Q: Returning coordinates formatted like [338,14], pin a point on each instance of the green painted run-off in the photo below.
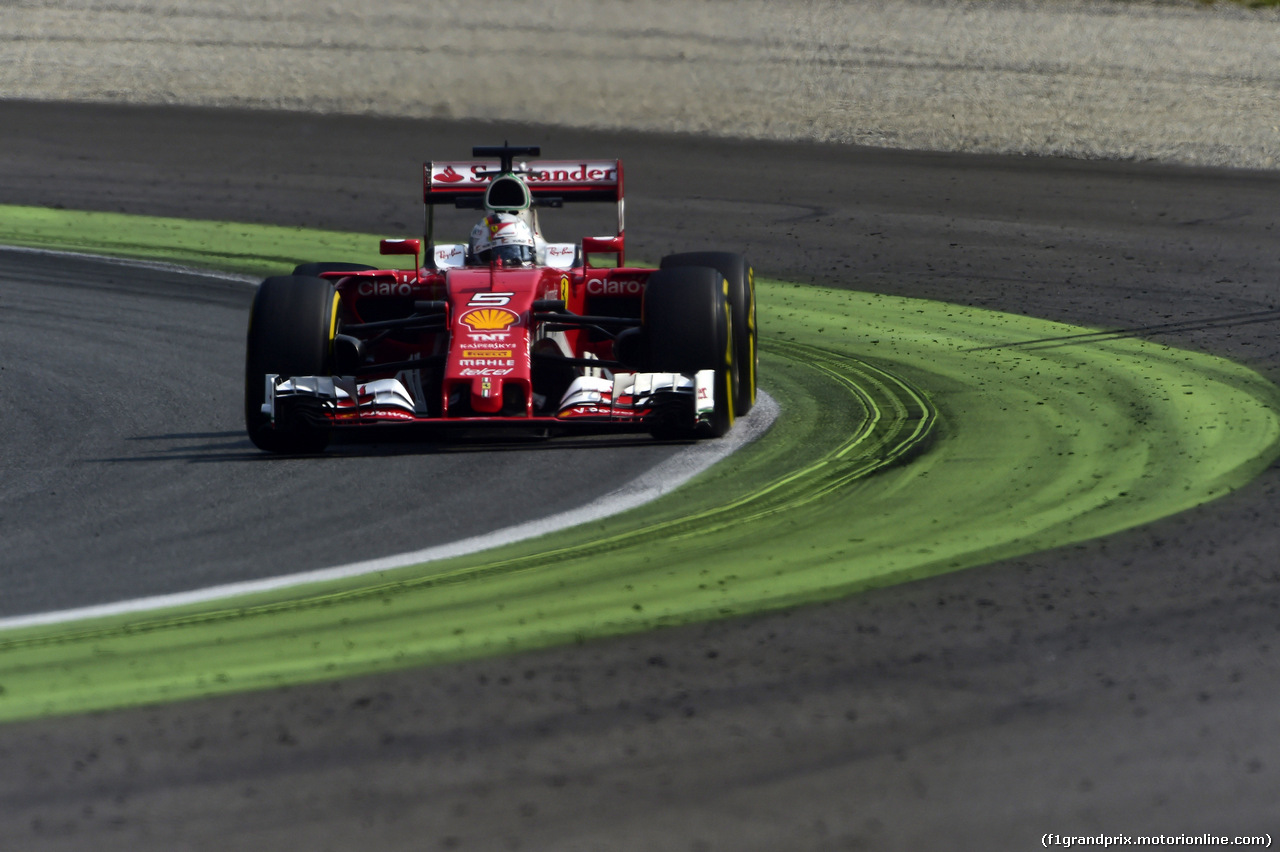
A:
[1013,447]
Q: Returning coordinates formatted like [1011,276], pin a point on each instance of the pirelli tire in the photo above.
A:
[291,329]
[688,327]
[742,300]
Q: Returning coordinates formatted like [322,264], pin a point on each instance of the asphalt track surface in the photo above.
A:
[131,376]
[1126,685]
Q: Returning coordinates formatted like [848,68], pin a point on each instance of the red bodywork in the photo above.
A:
[445,343]
[488,338]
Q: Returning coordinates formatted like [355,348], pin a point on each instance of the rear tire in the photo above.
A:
[315,270]
[688,327]
[291,329]
[742,299]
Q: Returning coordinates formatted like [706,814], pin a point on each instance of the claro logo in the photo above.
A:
[605,287]
[384,288]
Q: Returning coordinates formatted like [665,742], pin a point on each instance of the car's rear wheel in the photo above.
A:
[742,300]
[291,330]
[688,327]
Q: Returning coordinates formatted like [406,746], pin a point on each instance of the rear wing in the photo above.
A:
[551,183]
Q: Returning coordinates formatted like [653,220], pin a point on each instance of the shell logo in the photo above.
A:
[489,319]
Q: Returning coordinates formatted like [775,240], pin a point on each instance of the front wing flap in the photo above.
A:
[639,400]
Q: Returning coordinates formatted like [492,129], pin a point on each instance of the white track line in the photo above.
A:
[157,265]
[649,486]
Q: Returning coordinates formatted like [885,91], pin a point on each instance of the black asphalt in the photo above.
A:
[131,475]
[1123,686]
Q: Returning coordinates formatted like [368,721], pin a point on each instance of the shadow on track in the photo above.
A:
[221,447]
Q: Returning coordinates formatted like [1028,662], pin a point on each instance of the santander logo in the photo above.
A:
[449,176]
[564,172]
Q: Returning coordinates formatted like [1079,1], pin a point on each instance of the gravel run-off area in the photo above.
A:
[1175,82]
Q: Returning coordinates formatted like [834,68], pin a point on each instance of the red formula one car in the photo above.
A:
[506,330]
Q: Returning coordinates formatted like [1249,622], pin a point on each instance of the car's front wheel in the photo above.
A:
[291,329]
[688,327]
[742,302]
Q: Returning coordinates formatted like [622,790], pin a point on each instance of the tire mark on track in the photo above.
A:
[899,420]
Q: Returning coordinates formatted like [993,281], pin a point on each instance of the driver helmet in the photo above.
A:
[503,238]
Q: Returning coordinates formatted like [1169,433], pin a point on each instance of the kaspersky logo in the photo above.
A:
[489,319]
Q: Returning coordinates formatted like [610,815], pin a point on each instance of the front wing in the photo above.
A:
[628,402]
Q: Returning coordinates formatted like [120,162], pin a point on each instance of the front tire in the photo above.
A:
[688,327]
[291,329]
[742,299]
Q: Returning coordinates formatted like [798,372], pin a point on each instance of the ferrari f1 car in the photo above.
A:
[506,330]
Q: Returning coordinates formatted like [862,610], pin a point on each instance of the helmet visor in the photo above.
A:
[508,255]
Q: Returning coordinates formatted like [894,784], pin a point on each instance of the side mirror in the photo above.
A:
[603,245]
[403,247]
[400,247]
